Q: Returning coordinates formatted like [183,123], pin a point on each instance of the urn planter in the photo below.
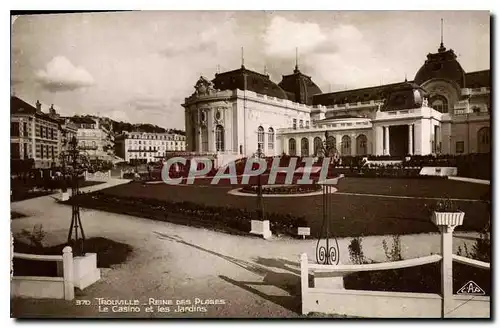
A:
[448,218]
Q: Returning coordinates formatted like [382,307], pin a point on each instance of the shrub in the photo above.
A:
[446,205]
[395,253]
[481,250]
[356,251]
[36,236]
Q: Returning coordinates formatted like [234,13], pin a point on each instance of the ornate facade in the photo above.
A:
[442,111]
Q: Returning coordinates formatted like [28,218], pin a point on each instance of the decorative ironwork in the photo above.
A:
[78,162]
[327,250]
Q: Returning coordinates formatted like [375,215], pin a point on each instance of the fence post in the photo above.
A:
[446,223]
[304,282]
[69,288]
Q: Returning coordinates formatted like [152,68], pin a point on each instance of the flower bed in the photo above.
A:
[282,189]
[228,219]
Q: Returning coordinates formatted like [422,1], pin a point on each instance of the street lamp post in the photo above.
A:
[325,252]
[260,201]
[78,161]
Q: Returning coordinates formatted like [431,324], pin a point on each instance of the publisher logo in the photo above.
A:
[471,288]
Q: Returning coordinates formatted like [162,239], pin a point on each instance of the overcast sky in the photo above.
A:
[139,66]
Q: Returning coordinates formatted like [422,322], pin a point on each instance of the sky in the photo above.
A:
[139,66]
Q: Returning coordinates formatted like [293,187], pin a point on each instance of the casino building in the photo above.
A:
[443,110]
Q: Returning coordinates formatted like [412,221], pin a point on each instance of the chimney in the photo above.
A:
[38,107]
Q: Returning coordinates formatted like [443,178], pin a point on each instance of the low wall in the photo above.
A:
[439,171]
[466,306]
[37,287]
[372,304]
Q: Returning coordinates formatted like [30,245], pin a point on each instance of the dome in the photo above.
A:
[404,96]
[299,87]
[441,65]
[245,79]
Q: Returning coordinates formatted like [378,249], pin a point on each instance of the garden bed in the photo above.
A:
[16,215]
[109,253]
[282,189]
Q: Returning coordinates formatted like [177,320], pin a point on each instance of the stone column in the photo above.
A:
[285,146]
[386,138]
[446,223]
[354,144]
[410,139]
[311,146]
[298,145]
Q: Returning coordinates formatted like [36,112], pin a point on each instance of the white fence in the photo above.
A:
[46,287]
[327,295]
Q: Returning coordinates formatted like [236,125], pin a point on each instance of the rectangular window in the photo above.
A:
[14,129]
[26,155]
[459,147]
[25,129]
[14,150]
[301,124]
[41,151]
[294,123]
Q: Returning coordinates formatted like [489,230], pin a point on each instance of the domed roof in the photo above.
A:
[299,87]
[404,96]
[442,64]
[245,79]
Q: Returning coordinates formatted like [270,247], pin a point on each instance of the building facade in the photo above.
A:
[34,134]
[444,110]
[94,139]
[147,147]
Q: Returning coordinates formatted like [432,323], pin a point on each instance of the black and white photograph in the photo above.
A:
[313,164]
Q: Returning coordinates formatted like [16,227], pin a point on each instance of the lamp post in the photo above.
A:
[325,252]
[78,162]
[260,201]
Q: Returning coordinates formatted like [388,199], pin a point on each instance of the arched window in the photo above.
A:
[292,147]
[317,145]
[483,140]
[331,145]
[361,142]
[260,138]
[204,139]
[304,147]
[346,145]
[270,139]
[439,103]
[94,144]
[219,138]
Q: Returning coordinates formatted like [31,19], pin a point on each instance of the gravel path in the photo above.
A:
[254,277]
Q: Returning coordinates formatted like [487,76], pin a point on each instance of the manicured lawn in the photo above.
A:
[352,215]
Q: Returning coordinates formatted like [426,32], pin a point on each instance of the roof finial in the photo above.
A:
[296,59]
[218,68]
[406,78]
[265,70]
[441,46]
[242,58]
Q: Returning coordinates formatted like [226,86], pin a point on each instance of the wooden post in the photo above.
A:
[304,281]
[69,288]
